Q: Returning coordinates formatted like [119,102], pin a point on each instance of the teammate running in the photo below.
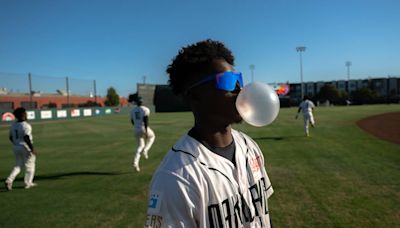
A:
[143,133]
[307,107]
[25,156]
[214,176]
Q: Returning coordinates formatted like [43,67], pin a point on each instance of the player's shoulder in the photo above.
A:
[26,126]
[186,148]
[242,137]
[146,110]
[13,126]
[185,151]
[245,141]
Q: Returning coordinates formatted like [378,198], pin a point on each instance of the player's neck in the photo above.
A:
[218,137]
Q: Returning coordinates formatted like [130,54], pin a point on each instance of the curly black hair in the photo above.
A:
[18,112]
[194,59]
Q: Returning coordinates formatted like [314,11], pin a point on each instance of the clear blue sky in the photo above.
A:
[117,42]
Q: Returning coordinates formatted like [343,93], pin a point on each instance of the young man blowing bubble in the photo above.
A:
[214,176]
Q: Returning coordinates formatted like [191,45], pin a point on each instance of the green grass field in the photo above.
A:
[338,177]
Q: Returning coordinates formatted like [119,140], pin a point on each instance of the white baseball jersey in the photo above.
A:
[137,115]
[306,106]
[194,187]
[18,130]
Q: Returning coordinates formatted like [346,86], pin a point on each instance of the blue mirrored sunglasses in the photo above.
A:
[224,81]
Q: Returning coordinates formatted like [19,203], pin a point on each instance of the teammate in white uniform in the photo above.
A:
[214,176]
[307,106]
[25,156]
[144,135]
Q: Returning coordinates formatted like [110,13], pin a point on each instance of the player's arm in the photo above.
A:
[29,143]
[10,135]
[132,121]
[298,111]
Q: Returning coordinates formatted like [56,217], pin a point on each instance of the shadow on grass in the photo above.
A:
[278,138]
[60,175]
[86,173]
[71,174]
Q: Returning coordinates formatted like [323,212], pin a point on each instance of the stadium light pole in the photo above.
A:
[300,50]
[252,67]
[30,91]
[348,64]
[95,91]
[67,85]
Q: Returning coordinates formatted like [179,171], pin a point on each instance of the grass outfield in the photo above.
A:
[339,177]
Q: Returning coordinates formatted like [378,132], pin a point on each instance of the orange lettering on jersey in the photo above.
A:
[255,164]
[154,221]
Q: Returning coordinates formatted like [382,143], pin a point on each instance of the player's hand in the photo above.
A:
[34,152]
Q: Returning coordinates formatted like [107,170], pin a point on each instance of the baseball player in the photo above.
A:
[307,106]
[144,135]
[214,176]
[25,156]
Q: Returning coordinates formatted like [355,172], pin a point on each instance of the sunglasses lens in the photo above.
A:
[227,80]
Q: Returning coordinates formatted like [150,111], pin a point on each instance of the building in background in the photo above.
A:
[160,98]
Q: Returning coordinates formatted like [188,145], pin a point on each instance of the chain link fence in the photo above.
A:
[11,83]
[31,86]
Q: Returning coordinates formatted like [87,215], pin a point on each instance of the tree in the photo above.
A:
[328,92]
[363,95]
[112,97]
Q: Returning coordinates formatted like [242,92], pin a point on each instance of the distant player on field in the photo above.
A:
[143,133]
[25,156]
[214,176]
[307,106]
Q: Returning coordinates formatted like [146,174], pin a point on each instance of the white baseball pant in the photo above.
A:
[144,143]
[23,159]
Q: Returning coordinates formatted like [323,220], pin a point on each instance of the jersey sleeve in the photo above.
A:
[28,131]
[172,202]
[301,105]
[146,111]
